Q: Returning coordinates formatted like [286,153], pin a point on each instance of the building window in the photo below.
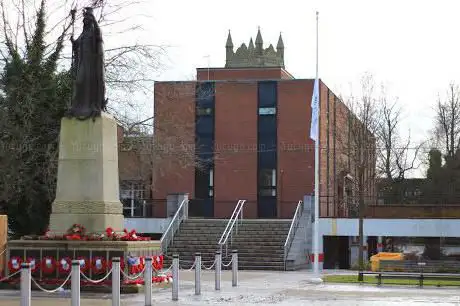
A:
[203,111]
[267,111]
[132,195]
[211,183]
[267,182]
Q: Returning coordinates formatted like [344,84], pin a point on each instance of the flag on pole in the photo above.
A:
[314,112]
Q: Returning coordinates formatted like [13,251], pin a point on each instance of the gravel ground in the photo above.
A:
[263,288]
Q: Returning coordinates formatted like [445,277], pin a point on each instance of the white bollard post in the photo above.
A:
[116,281]
[217,269]
[197,273]
[148,281]
[234,268]
[26,287]
[75,283]
[175,275]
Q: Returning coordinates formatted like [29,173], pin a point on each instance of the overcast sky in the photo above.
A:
[411,46]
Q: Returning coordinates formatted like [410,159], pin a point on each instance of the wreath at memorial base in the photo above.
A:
[34,265]
[14,264]
[98,266]
[48,265]
[78,232]
[64,265]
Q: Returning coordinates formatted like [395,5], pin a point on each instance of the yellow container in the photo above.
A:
[375,259]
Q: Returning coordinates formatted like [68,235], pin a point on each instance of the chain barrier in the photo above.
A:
[9,276]
[2,252]
[96,281]
[226,265]
[53,290]
[133,277]
[167,270]
[206,268]
[191,268]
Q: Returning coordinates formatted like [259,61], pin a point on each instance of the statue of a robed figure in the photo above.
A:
[88,99]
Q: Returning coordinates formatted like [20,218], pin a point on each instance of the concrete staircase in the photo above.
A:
[196,235]
[260,243]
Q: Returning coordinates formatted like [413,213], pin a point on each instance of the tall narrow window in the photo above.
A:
[267,98]
[211,183]
[267,180]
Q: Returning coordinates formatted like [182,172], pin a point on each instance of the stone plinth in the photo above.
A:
[87,184]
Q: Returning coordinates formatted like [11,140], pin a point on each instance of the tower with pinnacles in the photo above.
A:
[254,55]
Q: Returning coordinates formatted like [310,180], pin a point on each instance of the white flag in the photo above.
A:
[314,112]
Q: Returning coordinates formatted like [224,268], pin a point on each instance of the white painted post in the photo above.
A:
[234,268]
[148,281]
[26,287]
[175,275]
[116,281]
[217,269]
[75,283]
[197,273]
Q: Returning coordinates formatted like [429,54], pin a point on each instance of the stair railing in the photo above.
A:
[294,225]
[168,236]
[232,226]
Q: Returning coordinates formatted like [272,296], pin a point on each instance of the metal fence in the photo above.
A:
[76,276]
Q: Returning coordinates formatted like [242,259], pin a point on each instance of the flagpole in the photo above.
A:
[316,235]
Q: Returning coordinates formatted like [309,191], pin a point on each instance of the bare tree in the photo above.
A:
[358,145]
[131,65]
[396,156]
[447,121]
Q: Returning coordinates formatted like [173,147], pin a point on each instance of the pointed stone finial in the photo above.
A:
[251,44]
[259,40]
[254,55]
[280,44]
[229,43]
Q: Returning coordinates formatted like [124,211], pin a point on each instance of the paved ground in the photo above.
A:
[263,288]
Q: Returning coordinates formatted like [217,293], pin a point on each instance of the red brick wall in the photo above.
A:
[333,148]
[242,74]
[235,171]
[343,159]
[175,129]
[327,176]
[295,148]
[392,211]
[119,133]
[332,204]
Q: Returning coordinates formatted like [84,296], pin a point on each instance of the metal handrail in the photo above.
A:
[237,214]
[229,221]
[180,215]
[294,224]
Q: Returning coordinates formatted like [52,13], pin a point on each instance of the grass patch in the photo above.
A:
[368,279]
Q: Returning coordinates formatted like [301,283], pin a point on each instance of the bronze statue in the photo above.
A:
[88,99]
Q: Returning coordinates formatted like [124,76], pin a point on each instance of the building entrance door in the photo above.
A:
[266,207]
[203,204]
[201,208]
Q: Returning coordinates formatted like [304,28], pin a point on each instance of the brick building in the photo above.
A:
[248,124]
